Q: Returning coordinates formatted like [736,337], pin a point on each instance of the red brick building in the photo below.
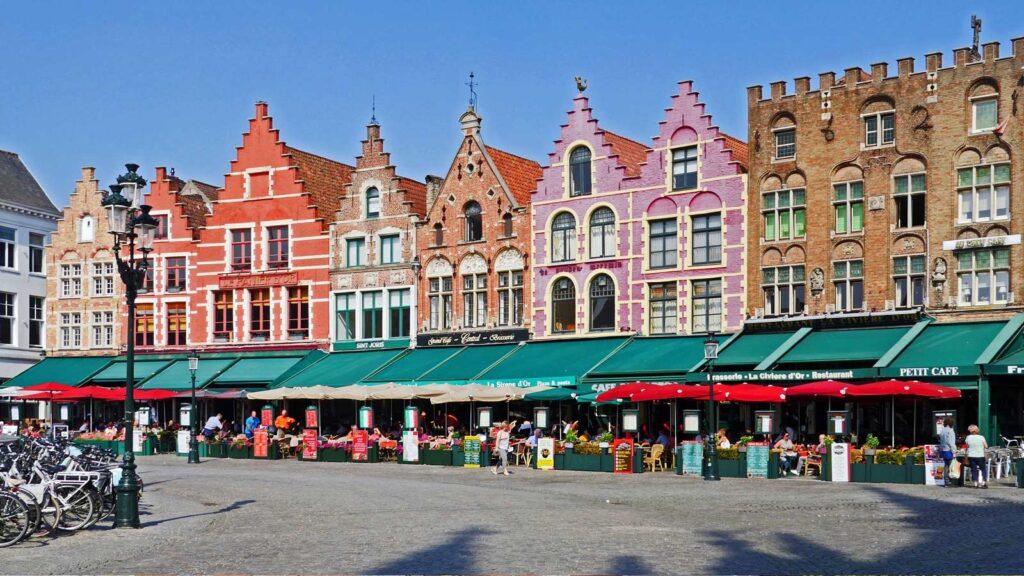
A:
[263,257]
[474,244]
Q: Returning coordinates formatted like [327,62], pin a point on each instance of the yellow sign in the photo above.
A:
[546,454]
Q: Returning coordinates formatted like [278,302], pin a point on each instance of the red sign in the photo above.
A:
[260,443]
[622,455]
[228,282]
[267,416]
[309,444]
[311,418]
[360,441]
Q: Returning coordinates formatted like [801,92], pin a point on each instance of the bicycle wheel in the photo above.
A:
[108,501]
[76,507]
[14,521]
[49,515]
[35,515]
[97,506]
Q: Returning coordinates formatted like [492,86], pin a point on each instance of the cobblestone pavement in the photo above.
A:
[233,516]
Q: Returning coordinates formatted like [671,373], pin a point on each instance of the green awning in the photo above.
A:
[552,395]
[750,349]
[413,364]
[118,371]
[665,356]
[948,345]
[68,370]
[587,398]
[178,377]
[468,363]
[341,368]
[555,358]
[843,345]
[256,371]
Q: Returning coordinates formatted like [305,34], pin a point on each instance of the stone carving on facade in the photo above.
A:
[939,274]
[878,163]
[473,264]
[439,267]
[397,276]
[345,281]
[509,260]
[370,279]
[876,203]
[817,281]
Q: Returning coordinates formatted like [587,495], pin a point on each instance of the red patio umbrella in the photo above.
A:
[626,391]
[830,388]
[747,392]
[87,393]
[680,392]
[49,389]
[906,388]
[152,394]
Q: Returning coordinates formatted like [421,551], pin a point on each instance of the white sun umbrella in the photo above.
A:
[14,392]
[272,394]
[481,393]
[393,391]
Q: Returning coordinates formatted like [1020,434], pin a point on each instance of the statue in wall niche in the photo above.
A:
[939,274]
[817,280]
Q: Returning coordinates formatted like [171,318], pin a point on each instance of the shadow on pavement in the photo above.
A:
[945,537]
[459,554]
[230,507]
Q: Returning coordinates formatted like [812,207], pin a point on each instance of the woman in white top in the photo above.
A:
[976,447]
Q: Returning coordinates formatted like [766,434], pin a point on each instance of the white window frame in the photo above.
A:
[973,274]
[12,318]
[849,201]
[975,101]
[441,302]
[776,132]
[9,249]
[909,196]
[510,297]
[778,288]
[396,252]
[71,283]
[992,188]
[879,131]
[70,330]
[843,284]
[791,210]
[474,300]
[103,329]
[908,277]
[360,255]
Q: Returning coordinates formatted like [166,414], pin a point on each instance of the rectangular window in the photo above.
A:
[664,244]
[707,305]
[36,307]
[277,247]
[707,239]
[177,324]
[783,290]
[510,298]
[986,114]
[345,311]
[241,250]
[35,253]
[474,301]
[103,329]
[784,214]
[223,316]
[259,315]
[785,144]
[848,277]
[983,276]
[908,274]
[664,307]
[390,250]
[399,313]
[7,247]
[879,129]
[177,274]
[70,280]
[984,192]
[849,207]
[162,230]
[355,252]
[7,320]
[373,315]
[145,326]
[909,194]
[298,312]
[440,293]
[71,330]
[684,168]
[102,278]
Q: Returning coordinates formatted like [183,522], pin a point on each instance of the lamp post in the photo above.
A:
[711,464]
[132,226]
[193,443]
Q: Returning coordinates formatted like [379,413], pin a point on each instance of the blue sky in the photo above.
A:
[173,83]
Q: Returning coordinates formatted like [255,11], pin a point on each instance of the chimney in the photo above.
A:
[960,57]
[433,188]
[802,85]
[905,67]
[879,71]
[990,51]
[826,80]
[754,94]
[933,61]
[778,89]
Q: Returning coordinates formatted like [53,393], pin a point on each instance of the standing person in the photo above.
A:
[212,425]
[976,446]
[947,448]
[251,424]
[501,441]
[284,423]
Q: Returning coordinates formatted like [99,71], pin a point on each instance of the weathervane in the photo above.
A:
[976,25]
[581,84]
[373,108]
[472,90]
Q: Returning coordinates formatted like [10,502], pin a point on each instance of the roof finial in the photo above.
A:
[472,90]
[976,25]
[581,84]
[373,108]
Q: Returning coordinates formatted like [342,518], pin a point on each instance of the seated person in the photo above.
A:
[723,440]
[664,440]
[789,456]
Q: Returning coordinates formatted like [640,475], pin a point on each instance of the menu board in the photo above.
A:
[934,466]
[182,441]
[260,443]
[471,447]
[546,454]
[267,416]
[840,462]
[360,448]
[693,457]
[410,446]
[309,442]
[312,418]
[757,460]
[622,449]
[138,437]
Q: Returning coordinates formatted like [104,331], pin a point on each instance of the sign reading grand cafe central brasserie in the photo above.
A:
[470,338]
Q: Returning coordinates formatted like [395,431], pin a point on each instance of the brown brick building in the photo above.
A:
[878,191]
[474,244]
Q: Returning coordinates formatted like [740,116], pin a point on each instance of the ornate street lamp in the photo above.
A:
[132,226]
[193,443]
[711,463]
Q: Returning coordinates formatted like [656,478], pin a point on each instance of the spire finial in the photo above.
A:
[581,84]
[373,108]
[472,90]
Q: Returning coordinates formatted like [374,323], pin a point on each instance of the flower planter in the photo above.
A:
[437,457]
[458,456]
[584,462]
[239,452]
[730,469]
[217,450]
[334,455]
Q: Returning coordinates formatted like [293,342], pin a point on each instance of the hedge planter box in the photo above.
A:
[584,462]
[869,471]
[240,452]
[334,455]
[731,468]
[458,456]
[437,457]
[218,450]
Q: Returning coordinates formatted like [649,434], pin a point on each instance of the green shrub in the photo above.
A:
[728,454]
[588,448]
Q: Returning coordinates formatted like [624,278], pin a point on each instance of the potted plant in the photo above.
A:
[240,448]
[871,445]
[741,444]
[571,438]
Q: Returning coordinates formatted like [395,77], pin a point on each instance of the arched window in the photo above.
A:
[438,234]
[602,303]
[579,171]
[506,225]
[474,222]
[563,238]
[563,306]
[372,203]
[602,233]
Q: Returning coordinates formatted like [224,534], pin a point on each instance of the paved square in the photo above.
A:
[235,516]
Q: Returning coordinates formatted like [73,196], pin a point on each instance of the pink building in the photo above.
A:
[631,238]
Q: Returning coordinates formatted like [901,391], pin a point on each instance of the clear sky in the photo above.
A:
[173,83]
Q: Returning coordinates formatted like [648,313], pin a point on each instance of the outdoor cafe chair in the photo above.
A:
[654,460]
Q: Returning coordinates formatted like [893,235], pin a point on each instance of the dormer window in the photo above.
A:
[579,171]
